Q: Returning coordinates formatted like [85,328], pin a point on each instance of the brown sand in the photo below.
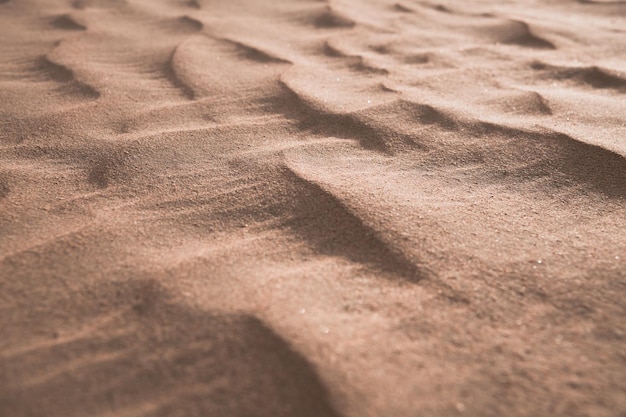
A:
[312,208]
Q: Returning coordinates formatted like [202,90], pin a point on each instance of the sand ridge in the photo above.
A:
[299,207]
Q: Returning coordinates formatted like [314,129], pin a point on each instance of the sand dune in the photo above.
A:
[324,208]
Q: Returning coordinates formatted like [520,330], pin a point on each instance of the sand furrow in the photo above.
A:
[68,21]
[589,77]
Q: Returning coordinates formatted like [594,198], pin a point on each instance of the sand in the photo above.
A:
[312,208]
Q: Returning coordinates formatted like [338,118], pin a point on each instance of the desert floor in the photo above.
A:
[344,208]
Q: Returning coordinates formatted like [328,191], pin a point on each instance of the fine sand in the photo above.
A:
[341,208]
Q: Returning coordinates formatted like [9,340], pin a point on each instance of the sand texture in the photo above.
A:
[340,208]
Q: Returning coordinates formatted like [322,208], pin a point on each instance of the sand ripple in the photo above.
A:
[321,208]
